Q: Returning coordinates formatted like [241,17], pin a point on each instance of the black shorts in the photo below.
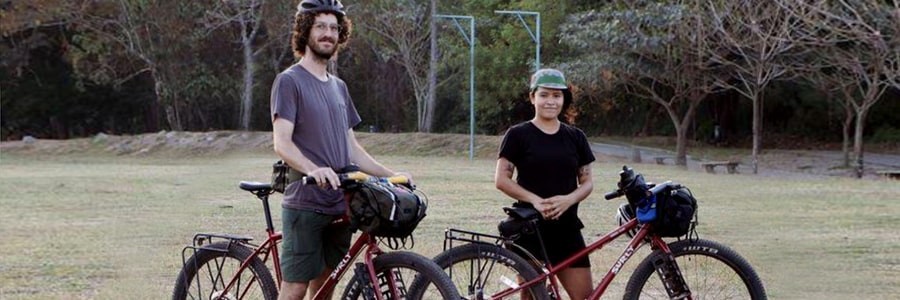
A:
[560,240]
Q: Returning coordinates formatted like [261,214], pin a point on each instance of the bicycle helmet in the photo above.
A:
[624,214]
[319,6]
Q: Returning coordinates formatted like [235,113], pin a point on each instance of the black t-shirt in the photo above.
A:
[547,164]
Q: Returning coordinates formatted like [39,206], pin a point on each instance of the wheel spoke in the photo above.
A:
[208,272]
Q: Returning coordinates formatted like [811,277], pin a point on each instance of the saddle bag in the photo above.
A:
[519,220]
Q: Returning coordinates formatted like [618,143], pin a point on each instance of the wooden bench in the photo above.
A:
[711,166]
[661,160]
[892,174]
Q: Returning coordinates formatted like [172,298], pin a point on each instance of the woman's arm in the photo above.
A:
[504,182]
[557,205]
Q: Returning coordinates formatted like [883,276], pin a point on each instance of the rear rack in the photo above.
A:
[452,234]
[204,241]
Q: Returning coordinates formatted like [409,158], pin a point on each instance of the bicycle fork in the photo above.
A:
[671,276]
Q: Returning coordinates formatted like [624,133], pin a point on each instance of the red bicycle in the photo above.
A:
[691,268]
[227,266]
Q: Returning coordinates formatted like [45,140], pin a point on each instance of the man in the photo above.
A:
[313,119]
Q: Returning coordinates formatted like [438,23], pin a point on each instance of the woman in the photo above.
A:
[553,161]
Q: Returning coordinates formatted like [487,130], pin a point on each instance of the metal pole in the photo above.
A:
[472,89]
[470,38]
[535,35]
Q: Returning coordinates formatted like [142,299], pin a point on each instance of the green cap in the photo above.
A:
[548,78]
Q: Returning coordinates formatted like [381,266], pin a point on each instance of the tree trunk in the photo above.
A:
[858,141]
[845,145]
[170,106]
[247,92]
[432,71]
[757,130]
[682,129]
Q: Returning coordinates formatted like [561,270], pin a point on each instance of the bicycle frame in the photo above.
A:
[550,271]
[365,243]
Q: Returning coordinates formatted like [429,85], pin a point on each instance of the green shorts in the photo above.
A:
[310,244]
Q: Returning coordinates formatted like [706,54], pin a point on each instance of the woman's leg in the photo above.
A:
[576,281]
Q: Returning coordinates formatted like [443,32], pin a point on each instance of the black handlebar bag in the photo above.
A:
[386,210]
[676,213]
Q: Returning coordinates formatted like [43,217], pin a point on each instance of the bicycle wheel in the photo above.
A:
[711,271]
[404,268]
[481,270]
[206,273]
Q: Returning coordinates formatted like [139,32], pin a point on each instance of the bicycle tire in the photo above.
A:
[711,270]
[480,270]
[416,277]
[208,271]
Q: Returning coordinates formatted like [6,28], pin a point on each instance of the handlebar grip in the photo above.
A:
[398,179]
[312,180]
[613,195]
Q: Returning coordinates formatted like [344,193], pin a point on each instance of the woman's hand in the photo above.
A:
[552,208]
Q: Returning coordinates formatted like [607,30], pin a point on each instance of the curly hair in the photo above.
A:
[303,25]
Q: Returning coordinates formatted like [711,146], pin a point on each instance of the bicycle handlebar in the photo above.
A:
[628,178]
[358,176]
[614,194]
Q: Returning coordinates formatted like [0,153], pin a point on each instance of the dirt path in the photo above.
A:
[772,162]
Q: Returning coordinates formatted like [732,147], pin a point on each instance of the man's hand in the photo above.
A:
[408,177]
[325,177]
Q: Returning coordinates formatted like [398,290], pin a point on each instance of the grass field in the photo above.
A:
[98,226]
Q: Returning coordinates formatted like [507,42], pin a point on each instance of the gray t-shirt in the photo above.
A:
[322,113]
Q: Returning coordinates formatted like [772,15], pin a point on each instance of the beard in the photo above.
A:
[321,52]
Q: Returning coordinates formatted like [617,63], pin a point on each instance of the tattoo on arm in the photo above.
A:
[584,171]
[510,168]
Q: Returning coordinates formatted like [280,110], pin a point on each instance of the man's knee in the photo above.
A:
[292,290]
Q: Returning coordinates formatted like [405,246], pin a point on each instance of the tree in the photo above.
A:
[248,15]
[859,40]
[655,51]
[400,30]
[278,24]
[836,85]
[126,38]
[753,42]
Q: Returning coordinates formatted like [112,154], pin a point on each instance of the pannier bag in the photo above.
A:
[283,175]
[671,214]
[386,210]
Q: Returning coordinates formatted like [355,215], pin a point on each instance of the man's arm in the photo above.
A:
[282,130]
[366,163]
